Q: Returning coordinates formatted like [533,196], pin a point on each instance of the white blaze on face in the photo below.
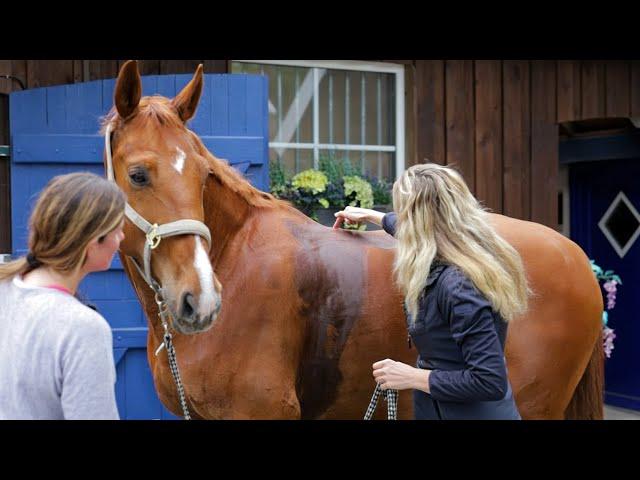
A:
[178,163]
[205,273]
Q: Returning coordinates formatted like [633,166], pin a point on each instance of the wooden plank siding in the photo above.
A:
[593,90]
[430,97]
[516,160]
[569,82]
[460,119]
[46,73]
[617,97]
[488,133]
[544,144]
[512,122]
[635,88]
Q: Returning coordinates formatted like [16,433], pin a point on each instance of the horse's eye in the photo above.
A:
[139,177]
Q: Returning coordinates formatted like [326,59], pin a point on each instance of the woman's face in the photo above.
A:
[101,250]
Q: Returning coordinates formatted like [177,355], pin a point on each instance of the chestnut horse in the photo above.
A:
[306,310]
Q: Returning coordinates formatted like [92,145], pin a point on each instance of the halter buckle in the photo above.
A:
[153,239]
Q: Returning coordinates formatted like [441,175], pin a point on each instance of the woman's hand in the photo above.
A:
[357,215]
[390,374]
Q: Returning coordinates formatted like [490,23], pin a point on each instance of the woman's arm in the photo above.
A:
[484,377]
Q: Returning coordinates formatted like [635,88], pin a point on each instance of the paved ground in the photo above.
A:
[615,413]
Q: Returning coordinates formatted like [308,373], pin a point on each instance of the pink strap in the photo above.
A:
[60,288]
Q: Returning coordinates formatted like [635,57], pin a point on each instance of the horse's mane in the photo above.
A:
[159,110]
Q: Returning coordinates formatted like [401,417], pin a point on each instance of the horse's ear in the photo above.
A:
[187,100]
[128,89]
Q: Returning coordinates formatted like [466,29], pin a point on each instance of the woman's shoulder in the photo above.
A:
[452,276]
[460,290]
[69,314]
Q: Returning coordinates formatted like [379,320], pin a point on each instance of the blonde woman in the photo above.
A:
[56,359]
[462,283]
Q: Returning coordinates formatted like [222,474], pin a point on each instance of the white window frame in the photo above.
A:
[375,67]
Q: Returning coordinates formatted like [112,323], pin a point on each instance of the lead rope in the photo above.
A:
[171,353]
[391,396]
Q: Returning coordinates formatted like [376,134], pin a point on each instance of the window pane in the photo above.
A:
[332,108]
[293,160]
[290,100]
[369,164]
[344,118]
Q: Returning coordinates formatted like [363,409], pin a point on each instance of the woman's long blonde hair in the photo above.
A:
[439,218]
[72,210]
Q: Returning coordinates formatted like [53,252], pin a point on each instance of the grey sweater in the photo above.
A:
[56,358]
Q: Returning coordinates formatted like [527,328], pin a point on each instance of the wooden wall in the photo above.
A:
[45,73]
[498,122]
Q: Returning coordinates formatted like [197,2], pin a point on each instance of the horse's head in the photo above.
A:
[156,163]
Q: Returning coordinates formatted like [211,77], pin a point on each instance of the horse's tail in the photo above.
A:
[587,402]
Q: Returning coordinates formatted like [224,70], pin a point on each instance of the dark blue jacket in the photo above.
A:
[461,339]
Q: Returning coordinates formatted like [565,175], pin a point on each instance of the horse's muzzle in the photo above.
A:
[189,320]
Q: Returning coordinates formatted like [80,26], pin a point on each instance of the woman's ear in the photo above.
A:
[91,246]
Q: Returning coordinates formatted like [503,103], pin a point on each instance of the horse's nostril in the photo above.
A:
[188,306]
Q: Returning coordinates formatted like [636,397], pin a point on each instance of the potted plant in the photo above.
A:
[323,192]
[382,200]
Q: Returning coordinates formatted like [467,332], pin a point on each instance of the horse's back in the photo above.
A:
[553,262]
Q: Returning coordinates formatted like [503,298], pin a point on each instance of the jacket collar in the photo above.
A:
[437,268]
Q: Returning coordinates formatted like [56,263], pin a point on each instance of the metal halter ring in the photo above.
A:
[153,239]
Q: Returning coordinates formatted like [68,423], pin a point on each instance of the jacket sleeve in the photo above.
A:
[389,223]
[470,317]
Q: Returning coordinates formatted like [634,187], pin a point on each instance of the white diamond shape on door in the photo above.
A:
[621,224]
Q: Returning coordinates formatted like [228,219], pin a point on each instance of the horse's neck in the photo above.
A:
[225,212]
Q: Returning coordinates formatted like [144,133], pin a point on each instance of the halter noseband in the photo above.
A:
[154,233]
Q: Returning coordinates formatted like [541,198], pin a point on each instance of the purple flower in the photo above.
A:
[611,289]
[608,338]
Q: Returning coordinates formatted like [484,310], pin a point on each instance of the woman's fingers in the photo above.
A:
[382,363]
[343,216]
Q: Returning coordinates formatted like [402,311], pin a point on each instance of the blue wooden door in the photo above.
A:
[605,201]
[54,131]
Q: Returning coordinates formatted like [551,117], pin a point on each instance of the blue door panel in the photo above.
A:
[55,130]
[594,186]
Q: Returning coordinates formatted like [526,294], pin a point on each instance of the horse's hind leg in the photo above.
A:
[546,359]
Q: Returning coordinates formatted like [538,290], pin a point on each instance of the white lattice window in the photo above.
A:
[340,109]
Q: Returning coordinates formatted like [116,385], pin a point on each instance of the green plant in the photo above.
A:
[357,191]
[335,184]
[306,191]
[277,179]
[381,191]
